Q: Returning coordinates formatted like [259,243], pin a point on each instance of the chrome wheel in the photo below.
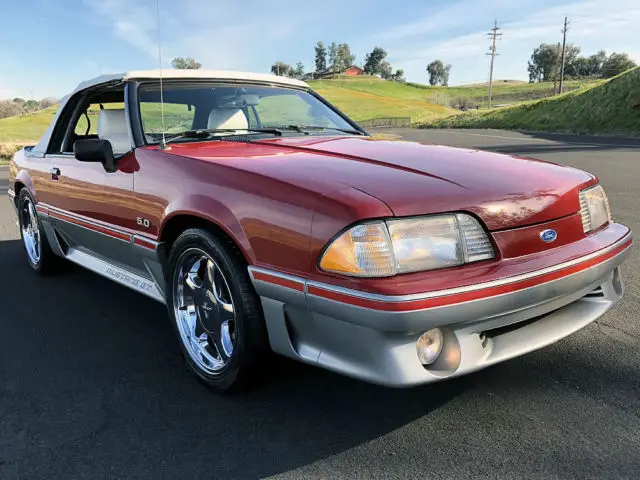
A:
[204,310]
[30,230]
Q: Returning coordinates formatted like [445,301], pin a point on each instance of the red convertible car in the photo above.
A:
[266,220]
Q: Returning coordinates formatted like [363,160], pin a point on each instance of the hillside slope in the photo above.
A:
[367,97]
[26,128]
[607,107]
[349,93]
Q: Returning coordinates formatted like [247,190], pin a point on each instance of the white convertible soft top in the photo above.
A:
[167,74]
[187,74]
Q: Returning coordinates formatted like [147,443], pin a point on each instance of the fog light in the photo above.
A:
[429,346]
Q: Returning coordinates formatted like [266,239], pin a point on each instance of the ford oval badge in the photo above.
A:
[548,235]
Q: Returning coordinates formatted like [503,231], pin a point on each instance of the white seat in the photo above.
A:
[227,118]
[112,126]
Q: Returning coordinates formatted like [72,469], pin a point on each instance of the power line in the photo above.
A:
[493,34]
[564,47]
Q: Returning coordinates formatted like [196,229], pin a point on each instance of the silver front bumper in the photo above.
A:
[380,346]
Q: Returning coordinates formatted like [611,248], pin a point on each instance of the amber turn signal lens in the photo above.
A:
[364,250]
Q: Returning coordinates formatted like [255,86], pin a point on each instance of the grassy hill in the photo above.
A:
[25,128]
[363,98]
[606,107]
[370,97]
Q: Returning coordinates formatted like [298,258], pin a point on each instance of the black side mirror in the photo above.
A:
[95,150]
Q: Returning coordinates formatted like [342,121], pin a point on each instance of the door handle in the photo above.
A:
[55,172]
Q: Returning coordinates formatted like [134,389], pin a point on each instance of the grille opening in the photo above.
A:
[595,293]
[496,332]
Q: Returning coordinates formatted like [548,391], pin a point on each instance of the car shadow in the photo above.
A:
[605,141]
[91,378]
[542,148]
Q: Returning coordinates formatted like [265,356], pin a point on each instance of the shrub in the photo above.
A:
[7,150]
[440,98]
[462,103]
[9,108]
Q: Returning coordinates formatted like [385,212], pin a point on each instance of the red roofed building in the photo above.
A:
[354,71]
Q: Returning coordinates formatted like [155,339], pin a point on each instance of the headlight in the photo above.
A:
[594,208]
[382,249]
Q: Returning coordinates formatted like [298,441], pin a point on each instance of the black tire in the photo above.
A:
[251,347]
[48,263]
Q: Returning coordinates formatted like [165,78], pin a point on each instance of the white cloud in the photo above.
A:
[594,25]
[217,35]
[454,15]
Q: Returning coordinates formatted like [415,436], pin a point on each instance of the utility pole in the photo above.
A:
[564,46]
[493,34]
[556,70]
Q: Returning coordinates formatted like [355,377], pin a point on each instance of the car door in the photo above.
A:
[92,210]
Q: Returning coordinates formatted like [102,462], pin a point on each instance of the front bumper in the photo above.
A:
[373,337]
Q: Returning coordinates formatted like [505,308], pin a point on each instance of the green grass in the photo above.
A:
[605,107]
[25,128]
[369,97]
[363,98]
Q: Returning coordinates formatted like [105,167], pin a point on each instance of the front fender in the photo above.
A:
[211,210]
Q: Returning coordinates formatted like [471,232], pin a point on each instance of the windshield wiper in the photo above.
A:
[305,128]
[210,132]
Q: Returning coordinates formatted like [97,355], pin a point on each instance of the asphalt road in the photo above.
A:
[92,384]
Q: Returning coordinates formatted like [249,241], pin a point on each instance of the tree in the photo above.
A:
[596,62]
[282,69]
[321,57]
[345,57]
[186,63]
[9,108]
[333,55]
[385,70]
[31,106]
[542,65]
[47,102]
[616,64]
[18,100]
[298,71]
[340,57]
[373,60]
[399,76]
[438,73]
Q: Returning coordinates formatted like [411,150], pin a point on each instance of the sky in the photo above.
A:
[47,47]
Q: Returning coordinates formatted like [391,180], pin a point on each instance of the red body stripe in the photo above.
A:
[465,296]
[144,243]
[90,226]
[41,209]
[283,282]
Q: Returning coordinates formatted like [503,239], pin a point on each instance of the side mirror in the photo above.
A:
[95,150]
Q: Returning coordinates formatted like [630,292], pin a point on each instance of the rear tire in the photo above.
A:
[39,255]
[215,311]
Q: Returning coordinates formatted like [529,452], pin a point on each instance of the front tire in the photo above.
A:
[215,311]
[39,255]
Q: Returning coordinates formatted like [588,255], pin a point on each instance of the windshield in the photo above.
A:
[232,110]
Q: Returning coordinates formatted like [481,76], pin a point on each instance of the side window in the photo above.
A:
[289,109]
[87,125]
[178,117]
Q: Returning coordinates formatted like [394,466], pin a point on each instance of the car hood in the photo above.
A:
[416,179]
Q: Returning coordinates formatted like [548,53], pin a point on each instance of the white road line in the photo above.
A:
[541,140]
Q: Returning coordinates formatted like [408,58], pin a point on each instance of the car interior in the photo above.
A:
[100,115]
